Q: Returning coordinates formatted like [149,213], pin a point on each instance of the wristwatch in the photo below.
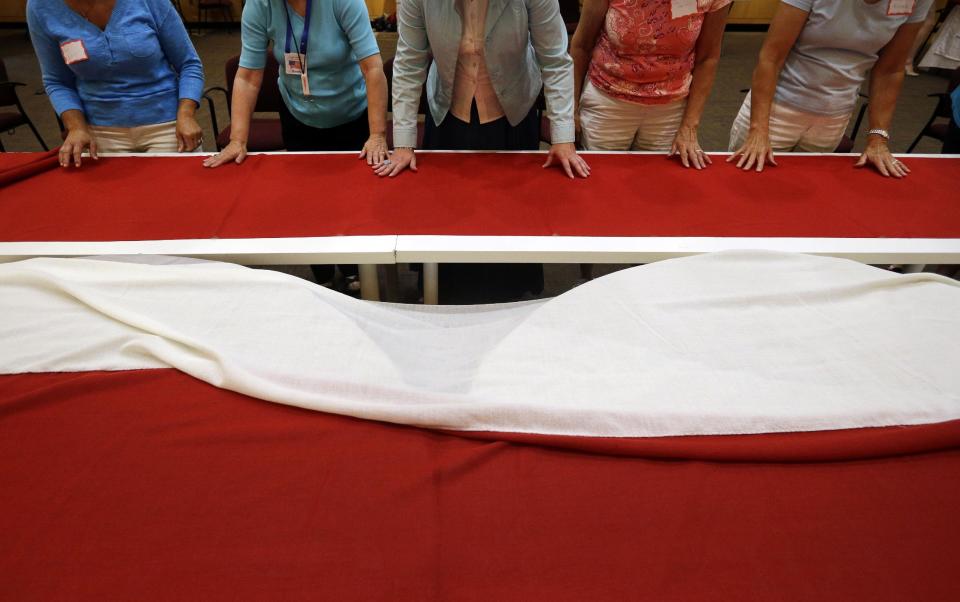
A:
[879,132]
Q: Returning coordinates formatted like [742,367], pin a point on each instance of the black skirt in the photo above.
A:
[468,283]
[300,137]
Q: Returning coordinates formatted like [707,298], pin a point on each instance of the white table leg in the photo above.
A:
[369,282]
[914,268]
[431,283]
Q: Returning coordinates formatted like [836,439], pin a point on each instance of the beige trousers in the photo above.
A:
[792,129]
[157,138]
[611,124]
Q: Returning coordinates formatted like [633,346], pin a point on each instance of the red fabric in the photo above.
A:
[24,165]
[506,194]
[820,446]
[152,485]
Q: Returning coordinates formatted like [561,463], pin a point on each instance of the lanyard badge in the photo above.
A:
[295,63]
[897,8]
[74,51]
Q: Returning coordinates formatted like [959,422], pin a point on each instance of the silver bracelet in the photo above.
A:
[882,133]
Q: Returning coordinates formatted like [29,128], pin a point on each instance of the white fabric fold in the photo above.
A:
[728,343]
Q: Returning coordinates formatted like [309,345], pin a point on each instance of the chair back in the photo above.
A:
[8,97]
[954,81]
[945,105]
[269,100]
[570,11]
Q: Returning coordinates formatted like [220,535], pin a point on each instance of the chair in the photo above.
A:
[570,13]
[421,110]
[8,98]
[265,132]
[224,7]
[944,109]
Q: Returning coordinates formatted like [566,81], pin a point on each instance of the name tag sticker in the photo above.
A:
[292,64]
[74,52]
[683,8]
[897,8]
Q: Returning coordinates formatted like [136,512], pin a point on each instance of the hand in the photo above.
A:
[401,159]
[189,134]
[755,150]
[236,151]
[375,150]
[77,141]
[565,155]
[686,145]
[878,154]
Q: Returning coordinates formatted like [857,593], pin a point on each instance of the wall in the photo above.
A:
[743,12]
[13,11]
[754,12]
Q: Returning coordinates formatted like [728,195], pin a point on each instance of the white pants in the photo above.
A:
[157,138]
[792,129]
[610,124]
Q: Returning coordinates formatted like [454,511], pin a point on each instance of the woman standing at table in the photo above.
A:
[815,58]
[331,78]
[649,66]
[122,75]
[331,81]
[489,61]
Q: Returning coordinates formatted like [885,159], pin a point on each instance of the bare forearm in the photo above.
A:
[704,74]
[581,62]
[377,102]
[884,91]
[245,94]
[73,120]
[186,108]
[761,94]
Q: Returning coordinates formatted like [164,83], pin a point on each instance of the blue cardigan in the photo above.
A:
[138,68]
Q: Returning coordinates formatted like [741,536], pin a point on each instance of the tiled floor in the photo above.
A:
[215,47]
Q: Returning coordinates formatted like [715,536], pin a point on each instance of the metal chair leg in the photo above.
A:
[369,282]
[37,134]
[923,133]
[431,283]
[915,142]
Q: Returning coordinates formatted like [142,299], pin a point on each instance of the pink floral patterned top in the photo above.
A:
[643,54]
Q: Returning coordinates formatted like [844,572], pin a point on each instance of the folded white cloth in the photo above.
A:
[735,342]
[944,52]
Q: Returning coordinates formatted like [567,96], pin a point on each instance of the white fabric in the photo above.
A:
[944,53]
[611,124]
[792,129]
[735,342]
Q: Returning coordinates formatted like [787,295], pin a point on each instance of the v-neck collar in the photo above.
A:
[113,13]
[287,7]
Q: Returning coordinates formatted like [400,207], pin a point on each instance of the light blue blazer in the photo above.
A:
[526,48]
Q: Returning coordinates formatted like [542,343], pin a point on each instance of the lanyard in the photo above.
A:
[306,28]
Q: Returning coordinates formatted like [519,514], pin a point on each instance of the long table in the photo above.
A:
[478,207]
